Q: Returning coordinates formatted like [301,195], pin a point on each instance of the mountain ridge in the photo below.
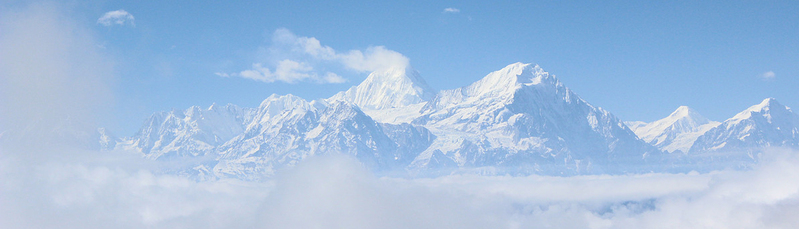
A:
[766,124]
[676,132]
[516,120]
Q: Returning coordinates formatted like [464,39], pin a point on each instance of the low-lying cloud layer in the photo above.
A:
[297,59]
[337,192]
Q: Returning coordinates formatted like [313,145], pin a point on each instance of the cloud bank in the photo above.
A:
[117,17]
[298,59]
[337,192]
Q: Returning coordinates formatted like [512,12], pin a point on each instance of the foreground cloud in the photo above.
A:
[50,70]
[295,58]
[338,192]
[117,17]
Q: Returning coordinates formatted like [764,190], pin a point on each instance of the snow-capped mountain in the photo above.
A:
[308,129]
[522,117]
[766,124]
[677,132]
[517,120]
[193,132]
[251,143]
[388,88]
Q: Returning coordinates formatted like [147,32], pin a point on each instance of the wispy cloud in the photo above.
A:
[295,59]
[333,78]
[451,10]
[287,71]
[117,17]
[769,75]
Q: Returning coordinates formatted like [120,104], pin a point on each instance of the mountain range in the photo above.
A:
[767,124]
[518,120]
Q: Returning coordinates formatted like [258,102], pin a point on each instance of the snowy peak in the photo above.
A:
[523,117]
[275,104]
[768,123]
[678,131]
[508,79]
[765,104]
[764,108]
[388,88]
[191,132]
[768,113]
[683,111]
[515,83]
[684,119]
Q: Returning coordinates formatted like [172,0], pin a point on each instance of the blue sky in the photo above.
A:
[639,59]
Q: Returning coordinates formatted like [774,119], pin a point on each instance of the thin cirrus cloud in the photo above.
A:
[117,17]
[451,10]
[297,59]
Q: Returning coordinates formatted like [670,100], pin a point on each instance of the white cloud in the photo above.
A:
[116,17]
[287,71]
[333,78]
[307,45]
[451,10]
[371,59]
[297,57]
[338,192]
[292,71]
[769,75]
